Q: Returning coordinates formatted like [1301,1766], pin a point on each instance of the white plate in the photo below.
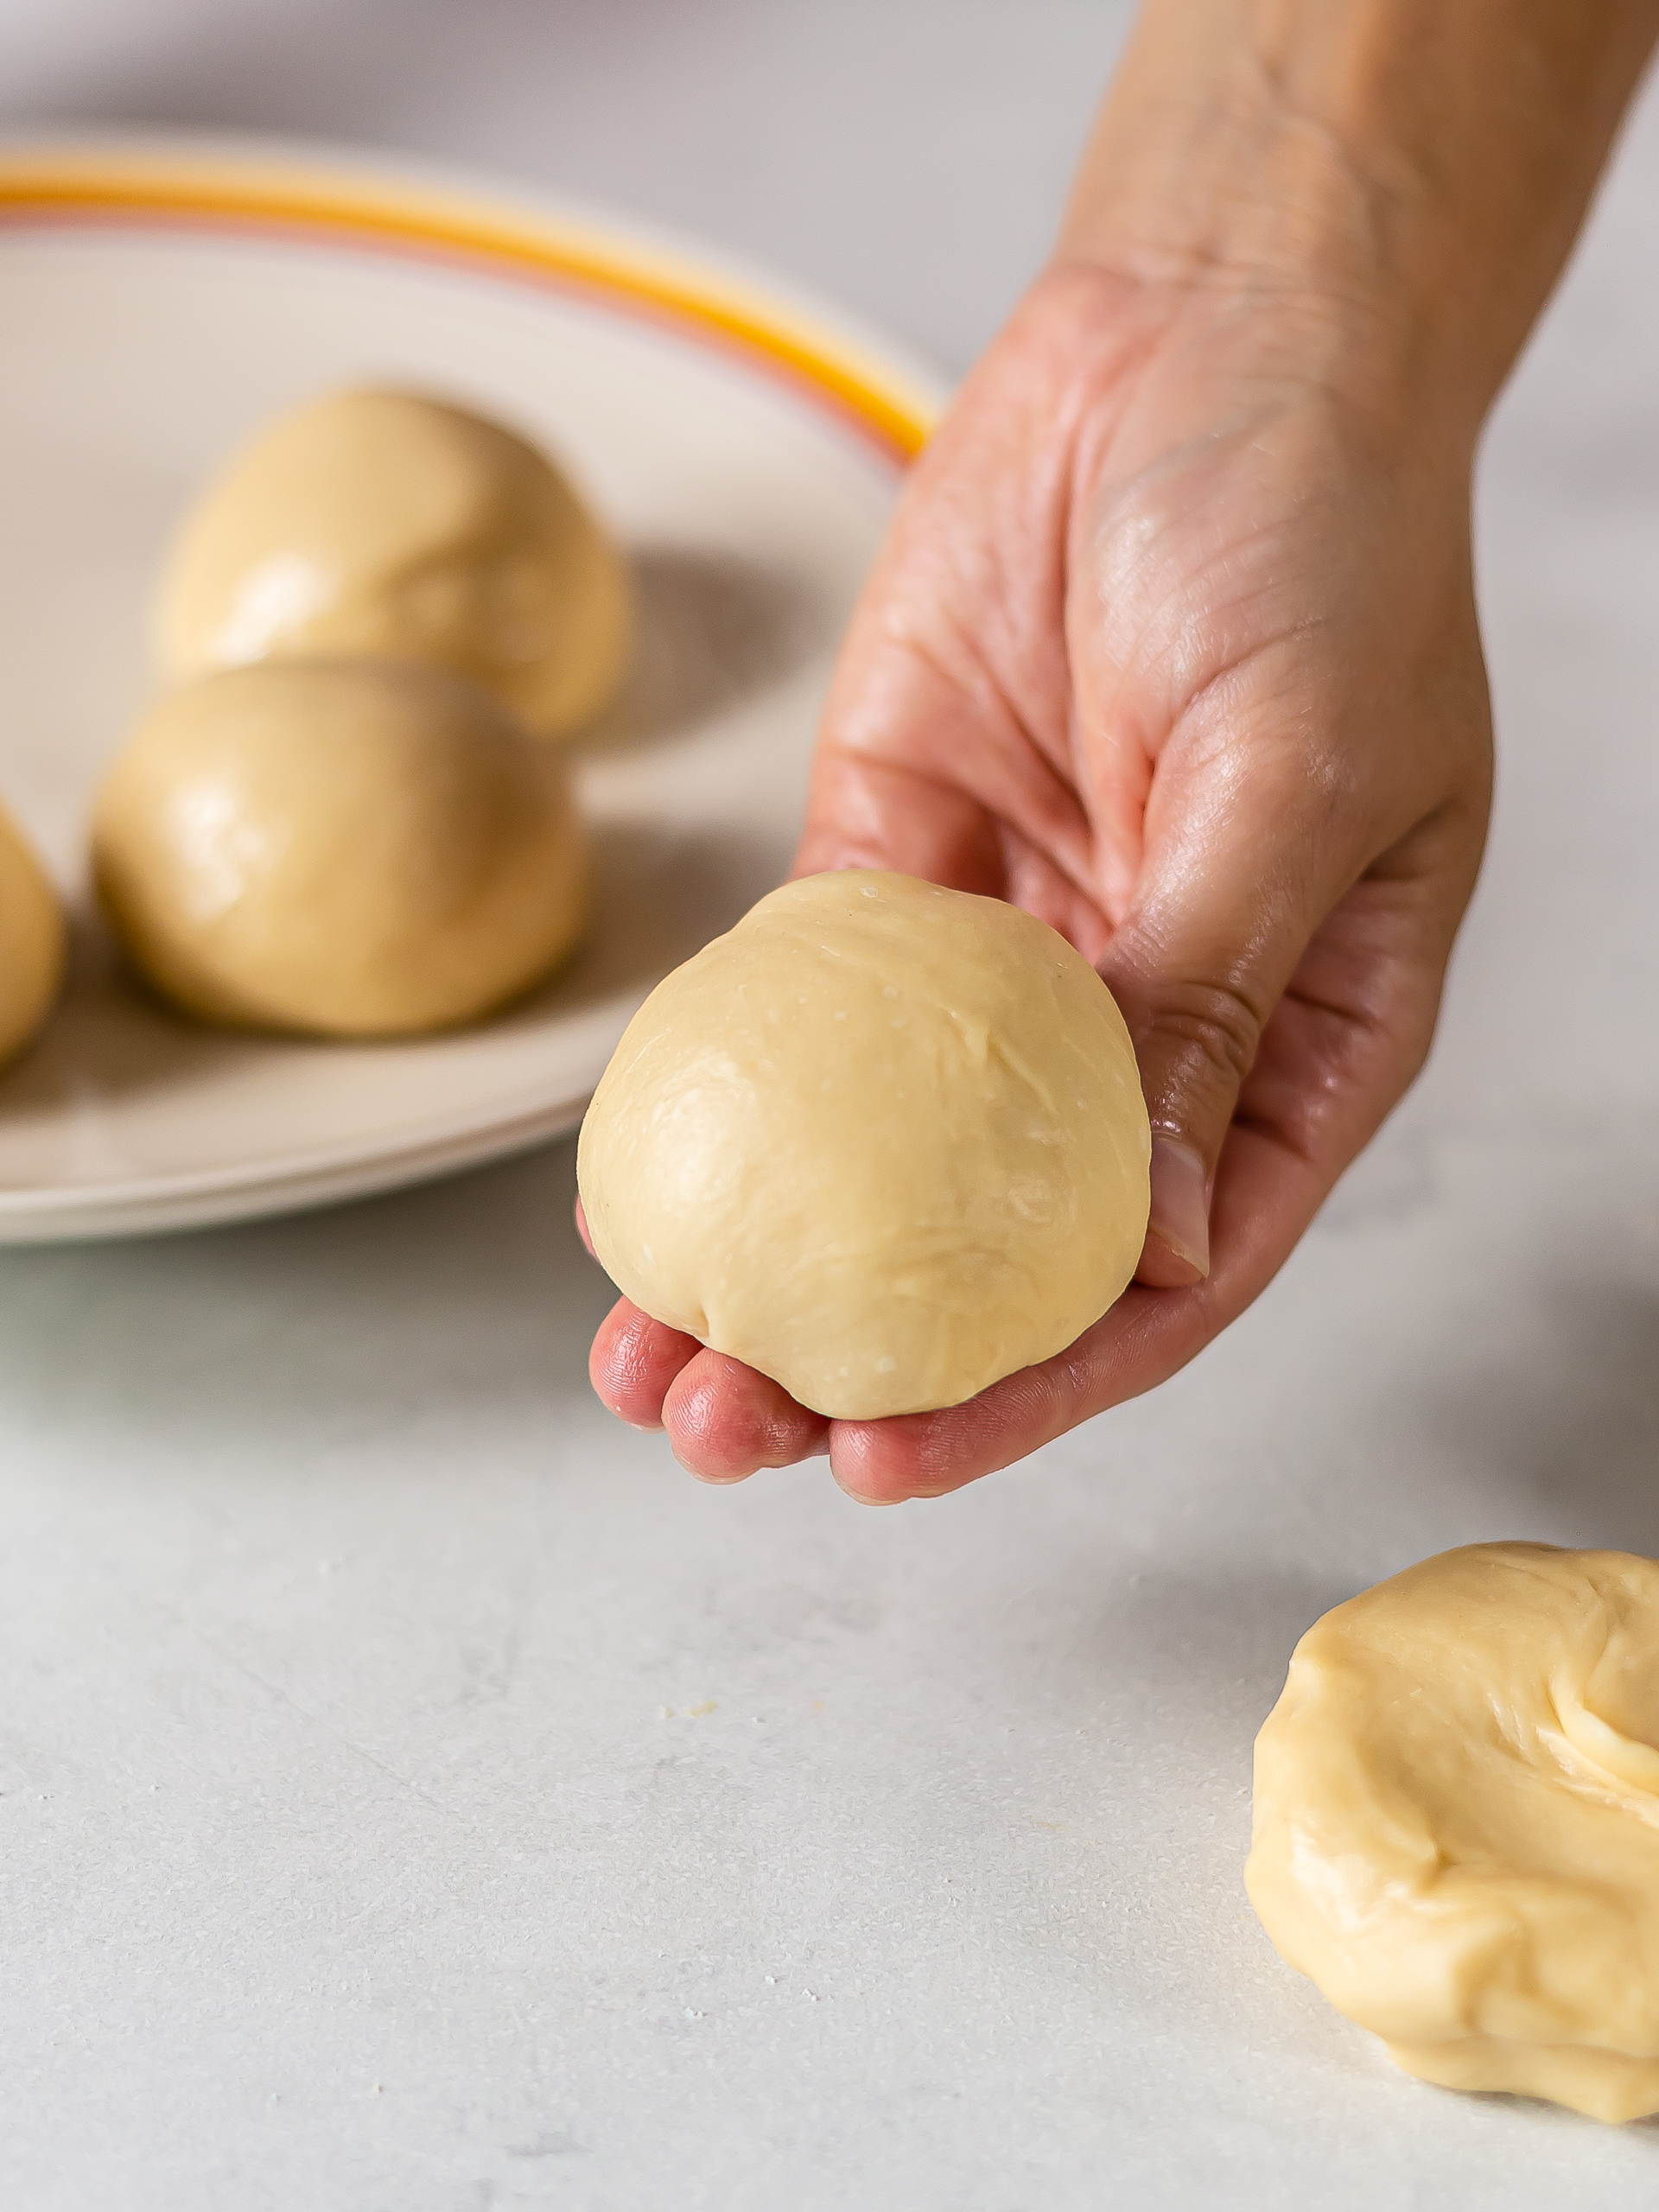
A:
[159,300]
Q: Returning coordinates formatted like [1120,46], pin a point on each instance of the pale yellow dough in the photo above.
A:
[1457,1821]
[884,1143]
[384,523]
[352,848]
[32,941]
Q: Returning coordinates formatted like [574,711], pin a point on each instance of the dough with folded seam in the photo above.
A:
[1456,1830]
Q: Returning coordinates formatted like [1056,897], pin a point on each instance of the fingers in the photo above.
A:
[946,743]
[1266,1194]
[633,1364]
[725,1421]
[1335,1055]
[1338,1050]
[1230,898]
[1197,1015]
[1264,1198]
[868,813]
[1341,1046]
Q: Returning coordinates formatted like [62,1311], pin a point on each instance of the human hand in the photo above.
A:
[1174,644]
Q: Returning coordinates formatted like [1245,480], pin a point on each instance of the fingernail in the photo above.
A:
[1181,1202]
[858,1498]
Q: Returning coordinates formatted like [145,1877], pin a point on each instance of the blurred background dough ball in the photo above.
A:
[350,848]
[382,523]
[32,941]
[884,1142]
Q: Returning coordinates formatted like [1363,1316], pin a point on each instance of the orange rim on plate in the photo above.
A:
[276,199]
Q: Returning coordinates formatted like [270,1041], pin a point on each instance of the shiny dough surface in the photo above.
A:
[386,523]
[348,848]
[32,941]
[1456,1829]
[884,1142]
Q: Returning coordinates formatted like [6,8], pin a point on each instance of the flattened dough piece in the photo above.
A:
[1456,1829]
[352,848]
[384,523]
[884,1142]
[32,941]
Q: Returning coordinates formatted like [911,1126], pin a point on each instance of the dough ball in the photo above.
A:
[354,847]
[882,1141]
[1457,1821]
[381,523]
[32,941]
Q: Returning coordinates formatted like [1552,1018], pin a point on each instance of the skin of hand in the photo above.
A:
[1173,643]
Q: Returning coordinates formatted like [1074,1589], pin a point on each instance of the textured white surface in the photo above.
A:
[411,1781]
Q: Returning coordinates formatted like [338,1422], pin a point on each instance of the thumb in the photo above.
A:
[1219,927]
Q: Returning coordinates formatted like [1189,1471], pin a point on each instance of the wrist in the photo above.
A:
[1392,183]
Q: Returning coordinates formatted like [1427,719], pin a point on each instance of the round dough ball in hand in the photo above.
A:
[356,849]
[1456,1828]
[32,941]
[381,523]
[884,1143]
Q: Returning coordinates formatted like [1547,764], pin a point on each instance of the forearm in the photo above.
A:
[1425,162]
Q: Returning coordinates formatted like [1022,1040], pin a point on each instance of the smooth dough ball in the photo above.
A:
[884,1143]
[1457,1821]
[381,523]
[32,941]
[352,848]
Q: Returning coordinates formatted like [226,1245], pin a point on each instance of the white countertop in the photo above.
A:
[416,1793]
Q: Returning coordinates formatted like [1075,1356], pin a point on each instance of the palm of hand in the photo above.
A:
[1173,646]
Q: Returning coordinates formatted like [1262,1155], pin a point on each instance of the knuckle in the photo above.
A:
[1213,1029]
